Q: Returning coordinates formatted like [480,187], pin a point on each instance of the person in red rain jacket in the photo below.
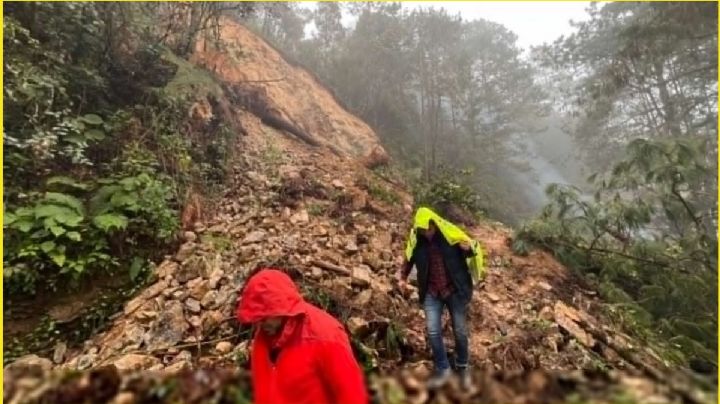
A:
[300,354]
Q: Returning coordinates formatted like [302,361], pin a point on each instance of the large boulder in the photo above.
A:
[168,329]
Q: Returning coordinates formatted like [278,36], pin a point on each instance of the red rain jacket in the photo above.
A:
[314,364]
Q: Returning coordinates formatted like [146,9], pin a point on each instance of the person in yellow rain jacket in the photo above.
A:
[448,262]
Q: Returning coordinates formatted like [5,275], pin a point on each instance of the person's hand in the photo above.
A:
[465,246]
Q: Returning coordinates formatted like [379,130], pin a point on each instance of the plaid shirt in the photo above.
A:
[439,284]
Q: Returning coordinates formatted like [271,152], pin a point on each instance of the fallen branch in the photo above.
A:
[278,122]
[593,250]
[332,267]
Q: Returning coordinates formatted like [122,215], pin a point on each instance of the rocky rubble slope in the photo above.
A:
[339,230]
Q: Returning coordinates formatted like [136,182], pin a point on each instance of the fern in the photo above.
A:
[108,222]
[59,214]
[57,234]
[62,181]
[65,200]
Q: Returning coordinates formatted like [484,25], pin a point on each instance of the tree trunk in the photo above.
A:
[670,110]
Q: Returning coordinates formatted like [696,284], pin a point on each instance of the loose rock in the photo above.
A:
[195,321]
[493,297]
[144,296]
[223,347]
[176,368]
[28,365]
[168,329]
[134,362]
[125,397]
[166,268]
[186,250]
[546,313]
[192,305]
[361,276]
[355,324]
[199,290]
[86,361]
[211,319]
[545,286]
[192,268]
[209,300]
[59,353]
[363,298]
[254,237]
[300,217]
[215,278]
[316,273]
[351,247]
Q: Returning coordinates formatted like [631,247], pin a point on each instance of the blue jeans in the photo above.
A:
[433,314]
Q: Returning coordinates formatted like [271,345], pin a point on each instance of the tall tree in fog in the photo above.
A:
[281,23]
[434,36]
[642,70]
[646,71]
[373,76]
[497,95]
[643,98]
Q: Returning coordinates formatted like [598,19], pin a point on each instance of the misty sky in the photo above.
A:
[534,22]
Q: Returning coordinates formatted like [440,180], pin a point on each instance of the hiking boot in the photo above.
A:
[465,377]
[439,379]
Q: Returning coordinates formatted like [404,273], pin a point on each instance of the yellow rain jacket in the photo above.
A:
[452,234]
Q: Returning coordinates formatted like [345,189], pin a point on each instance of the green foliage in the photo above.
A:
[62,235]
[318,297]
[393,340]
[219,242]
[520,247]
[621,396]
[379,191]
[48,238]
[189,79]
[366,356]
[646,240]
[139,204]
[61,182]
[316,209]
[447,188]
[14,348]
[98,145]
[108,222]
[42,127]
[271,154]
[237,395]
[241,358]
[136,267]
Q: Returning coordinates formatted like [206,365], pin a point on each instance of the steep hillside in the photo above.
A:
[537,335]
[257,71]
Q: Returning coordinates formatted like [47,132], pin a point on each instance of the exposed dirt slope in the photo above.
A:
[250,63]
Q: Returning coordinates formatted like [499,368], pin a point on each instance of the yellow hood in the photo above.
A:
[452,234]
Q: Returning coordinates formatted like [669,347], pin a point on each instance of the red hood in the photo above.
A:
[269,293]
